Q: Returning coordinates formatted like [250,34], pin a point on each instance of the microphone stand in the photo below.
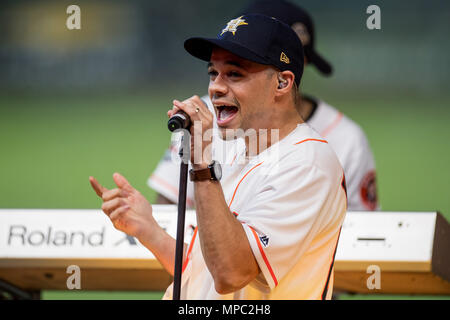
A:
[181,214]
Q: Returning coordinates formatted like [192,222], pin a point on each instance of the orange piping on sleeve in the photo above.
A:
[266,261]
[258,242]
[189,250]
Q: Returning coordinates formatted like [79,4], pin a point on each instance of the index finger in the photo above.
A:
[98,188]
[172,111]
[188,106]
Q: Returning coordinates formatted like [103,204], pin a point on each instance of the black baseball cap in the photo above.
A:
[257,38]
[299,20]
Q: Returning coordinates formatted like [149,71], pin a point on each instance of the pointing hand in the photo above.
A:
[127,208]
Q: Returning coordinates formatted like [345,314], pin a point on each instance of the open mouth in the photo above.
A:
[225,114]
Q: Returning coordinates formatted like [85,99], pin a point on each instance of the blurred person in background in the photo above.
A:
[345,136]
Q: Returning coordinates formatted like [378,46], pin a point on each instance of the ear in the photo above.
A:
[285,82]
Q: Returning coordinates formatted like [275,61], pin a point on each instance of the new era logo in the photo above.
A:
[284,58]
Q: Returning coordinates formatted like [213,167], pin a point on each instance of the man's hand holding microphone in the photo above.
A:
[130,212]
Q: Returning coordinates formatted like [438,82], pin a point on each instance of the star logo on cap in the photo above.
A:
[233,24]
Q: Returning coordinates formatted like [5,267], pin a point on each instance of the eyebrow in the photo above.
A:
[229,62]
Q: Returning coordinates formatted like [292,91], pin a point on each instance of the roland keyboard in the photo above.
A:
[378,252]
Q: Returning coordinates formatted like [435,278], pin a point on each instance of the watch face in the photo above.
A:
[217,170]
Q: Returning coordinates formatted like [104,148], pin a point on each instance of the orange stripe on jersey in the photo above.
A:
[324,141]
[232,198]
[170,187]
[232,161]
[332,125]
[266,261]
[189,250]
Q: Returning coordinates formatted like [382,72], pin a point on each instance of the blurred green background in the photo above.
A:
[93,101]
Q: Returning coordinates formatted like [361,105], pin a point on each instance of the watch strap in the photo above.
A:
[200,175]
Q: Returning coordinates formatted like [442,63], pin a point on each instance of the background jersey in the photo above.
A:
[344,136]
[295,187]
[353,151]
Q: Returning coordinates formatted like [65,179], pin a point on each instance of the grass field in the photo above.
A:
[51,145]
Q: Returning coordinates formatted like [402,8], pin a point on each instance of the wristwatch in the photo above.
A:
[212,172]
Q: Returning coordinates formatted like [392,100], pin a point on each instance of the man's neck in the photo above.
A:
[264,139]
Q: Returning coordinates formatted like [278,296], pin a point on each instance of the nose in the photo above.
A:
[217,87]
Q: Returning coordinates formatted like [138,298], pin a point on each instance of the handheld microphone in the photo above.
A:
[179,120]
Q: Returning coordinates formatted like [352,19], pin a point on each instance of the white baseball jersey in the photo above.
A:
[291,201]
[345,137]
